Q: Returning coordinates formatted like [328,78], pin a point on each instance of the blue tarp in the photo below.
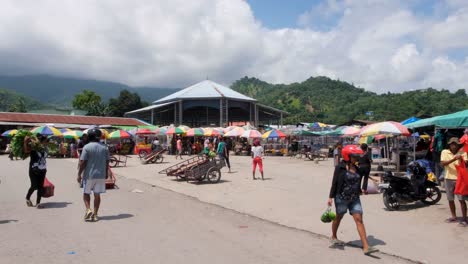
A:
[410,120]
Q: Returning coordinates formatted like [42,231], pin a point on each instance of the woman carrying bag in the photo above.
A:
[345,191]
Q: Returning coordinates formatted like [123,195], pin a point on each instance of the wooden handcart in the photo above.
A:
[154,157]
[118,160]
[197,168]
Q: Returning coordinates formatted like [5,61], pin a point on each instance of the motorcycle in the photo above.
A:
[403,190]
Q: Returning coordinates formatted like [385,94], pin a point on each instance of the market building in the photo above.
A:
[208,104]
[10,120]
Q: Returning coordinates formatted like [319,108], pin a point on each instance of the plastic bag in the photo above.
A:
[48,189]
[461,187]
[328,216]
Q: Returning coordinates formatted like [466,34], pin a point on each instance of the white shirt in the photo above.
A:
[257,151]
[156,142]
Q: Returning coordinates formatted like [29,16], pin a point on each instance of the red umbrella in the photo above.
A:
[142,131]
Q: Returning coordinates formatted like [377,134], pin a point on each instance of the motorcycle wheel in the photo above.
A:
[433,196]
[389,202]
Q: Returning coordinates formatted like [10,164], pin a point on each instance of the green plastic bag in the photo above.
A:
[328,216]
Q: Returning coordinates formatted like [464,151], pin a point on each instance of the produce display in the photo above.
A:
[18,140]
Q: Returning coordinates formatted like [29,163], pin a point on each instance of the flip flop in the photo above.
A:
[462,224]
[370,250]
[450,220]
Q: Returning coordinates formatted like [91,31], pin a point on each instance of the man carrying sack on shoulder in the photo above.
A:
[454,162]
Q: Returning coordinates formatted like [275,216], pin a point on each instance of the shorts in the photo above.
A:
[97,186]
[450,189]
[342,206]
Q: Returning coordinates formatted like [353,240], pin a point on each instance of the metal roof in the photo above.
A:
[150,107]
[205,90]
[64,119]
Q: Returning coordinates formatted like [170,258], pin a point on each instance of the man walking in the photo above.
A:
[93,172]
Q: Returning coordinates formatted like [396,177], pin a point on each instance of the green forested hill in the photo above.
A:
[330,101]
[11,101]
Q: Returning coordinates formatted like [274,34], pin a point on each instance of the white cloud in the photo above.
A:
[378,44]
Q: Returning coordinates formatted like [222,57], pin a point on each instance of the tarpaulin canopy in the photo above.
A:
[410,120]
[454,120]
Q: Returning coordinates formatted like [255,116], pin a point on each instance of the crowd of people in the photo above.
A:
[350,178]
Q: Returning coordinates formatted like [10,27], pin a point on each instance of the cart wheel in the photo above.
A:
[213,175]
[142,154]
[113,162]
[159,159]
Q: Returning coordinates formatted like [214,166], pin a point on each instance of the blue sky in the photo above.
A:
[276,14]
[280,13]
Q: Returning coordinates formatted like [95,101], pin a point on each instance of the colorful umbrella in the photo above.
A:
[251,134]
[9,133]
[118,134]
[274,134]
[318,125]
[175,130]
[386,128]
[229,128]
[63,130]
[47,131]
[195,132]
[73,134]
[236,132]
[142,131]
[161,131]
[213,132]
[350,131]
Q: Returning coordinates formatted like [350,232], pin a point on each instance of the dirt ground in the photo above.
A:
[144,224]
[294,194]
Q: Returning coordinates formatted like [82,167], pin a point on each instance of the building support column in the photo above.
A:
[221,112]
[281,120]
[181,113]
[152,116]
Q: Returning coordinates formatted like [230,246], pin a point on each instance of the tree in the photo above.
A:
[19,106]
[126,102]
[90,102]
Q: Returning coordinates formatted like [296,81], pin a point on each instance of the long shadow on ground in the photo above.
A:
[115,217]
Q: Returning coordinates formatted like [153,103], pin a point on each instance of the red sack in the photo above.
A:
[48,189]
[461,187]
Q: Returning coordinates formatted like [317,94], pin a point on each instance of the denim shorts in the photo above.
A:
[342,206]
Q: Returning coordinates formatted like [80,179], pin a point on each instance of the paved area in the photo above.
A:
[294,194]
[152,226]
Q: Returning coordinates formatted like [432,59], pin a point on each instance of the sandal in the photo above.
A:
[451,220]
[29,203]
[370,250]
[462,224]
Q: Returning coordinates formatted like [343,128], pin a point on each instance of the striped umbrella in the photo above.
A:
[236,132]
[73,134]
[118,134]
[251,134]
[213,132]
[161,131]
[142,131]
[175,130]
[274,134]
[349,131]
[195,132]
[47,131]
[386,128]
[9,133]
